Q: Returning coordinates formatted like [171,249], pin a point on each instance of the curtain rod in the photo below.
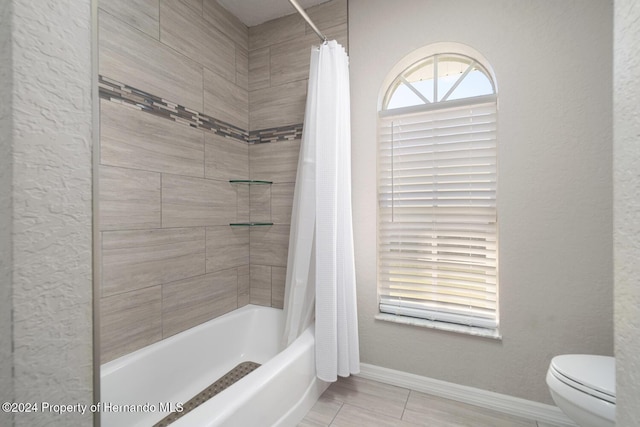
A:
[301,11]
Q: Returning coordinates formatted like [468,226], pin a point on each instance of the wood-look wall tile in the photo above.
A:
[142,258]
[129,56]
[141,14]
[196,5]
[290,60]
[129,322]
[226,101]
[242,69]
[282,203]
[227,247]
[190,302]
[129,199]
[259,71]
[189,202]
[269,245]
[134,139]
[275,161]
[278,279]
[278,106]
[276,31]
[244,286]
[243,193]
[261,285]
[327,15]
[226,22]
[189,33]
[260,203]
[225,158]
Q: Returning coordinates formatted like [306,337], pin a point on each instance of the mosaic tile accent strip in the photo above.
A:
[121,93]
[223,383]
[283,133]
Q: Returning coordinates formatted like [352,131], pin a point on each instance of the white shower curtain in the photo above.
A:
[321,266]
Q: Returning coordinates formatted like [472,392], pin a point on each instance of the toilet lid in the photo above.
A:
[594,372]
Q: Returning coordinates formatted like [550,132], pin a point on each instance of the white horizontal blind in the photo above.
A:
[437,243]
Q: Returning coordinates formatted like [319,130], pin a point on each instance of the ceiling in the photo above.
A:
[254,12]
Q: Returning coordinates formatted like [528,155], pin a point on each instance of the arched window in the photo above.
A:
[437,221]
[439,78]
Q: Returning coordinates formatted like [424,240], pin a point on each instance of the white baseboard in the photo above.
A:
[486,399]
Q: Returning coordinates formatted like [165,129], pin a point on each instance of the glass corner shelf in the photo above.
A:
[250,223]
[249,181]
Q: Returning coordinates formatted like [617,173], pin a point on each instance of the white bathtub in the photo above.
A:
[279,393]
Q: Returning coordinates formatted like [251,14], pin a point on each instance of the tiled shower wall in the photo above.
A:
[191,98]
[279,53]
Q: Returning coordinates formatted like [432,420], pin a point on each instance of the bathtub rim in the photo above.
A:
[116,364]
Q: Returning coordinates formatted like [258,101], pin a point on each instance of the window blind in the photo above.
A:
[437,222]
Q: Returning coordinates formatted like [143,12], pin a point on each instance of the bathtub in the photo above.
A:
[278,393]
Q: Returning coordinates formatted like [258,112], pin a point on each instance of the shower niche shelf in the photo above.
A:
[251,223]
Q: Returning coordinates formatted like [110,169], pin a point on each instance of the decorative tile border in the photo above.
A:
[283,133]
[119,92]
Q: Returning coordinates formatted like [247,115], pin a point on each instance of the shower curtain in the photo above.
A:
[320,266]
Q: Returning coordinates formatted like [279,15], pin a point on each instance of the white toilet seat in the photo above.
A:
[592,374]
[607,397]
[583,386]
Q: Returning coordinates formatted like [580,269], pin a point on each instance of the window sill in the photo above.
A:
[449,327]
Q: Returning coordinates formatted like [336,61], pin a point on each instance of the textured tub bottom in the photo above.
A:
[224,382]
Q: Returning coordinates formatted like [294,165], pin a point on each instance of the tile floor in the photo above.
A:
[359,402]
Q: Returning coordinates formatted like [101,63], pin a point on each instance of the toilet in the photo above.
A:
[583,386]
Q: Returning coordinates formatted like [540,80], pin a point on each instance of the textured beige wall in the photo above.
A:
[555,187]
[6,134]
[627,210]
[51,155]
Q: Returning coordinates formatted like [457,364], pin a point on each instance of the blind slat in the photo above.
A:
[451,287]
[462,157]
[470,279]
